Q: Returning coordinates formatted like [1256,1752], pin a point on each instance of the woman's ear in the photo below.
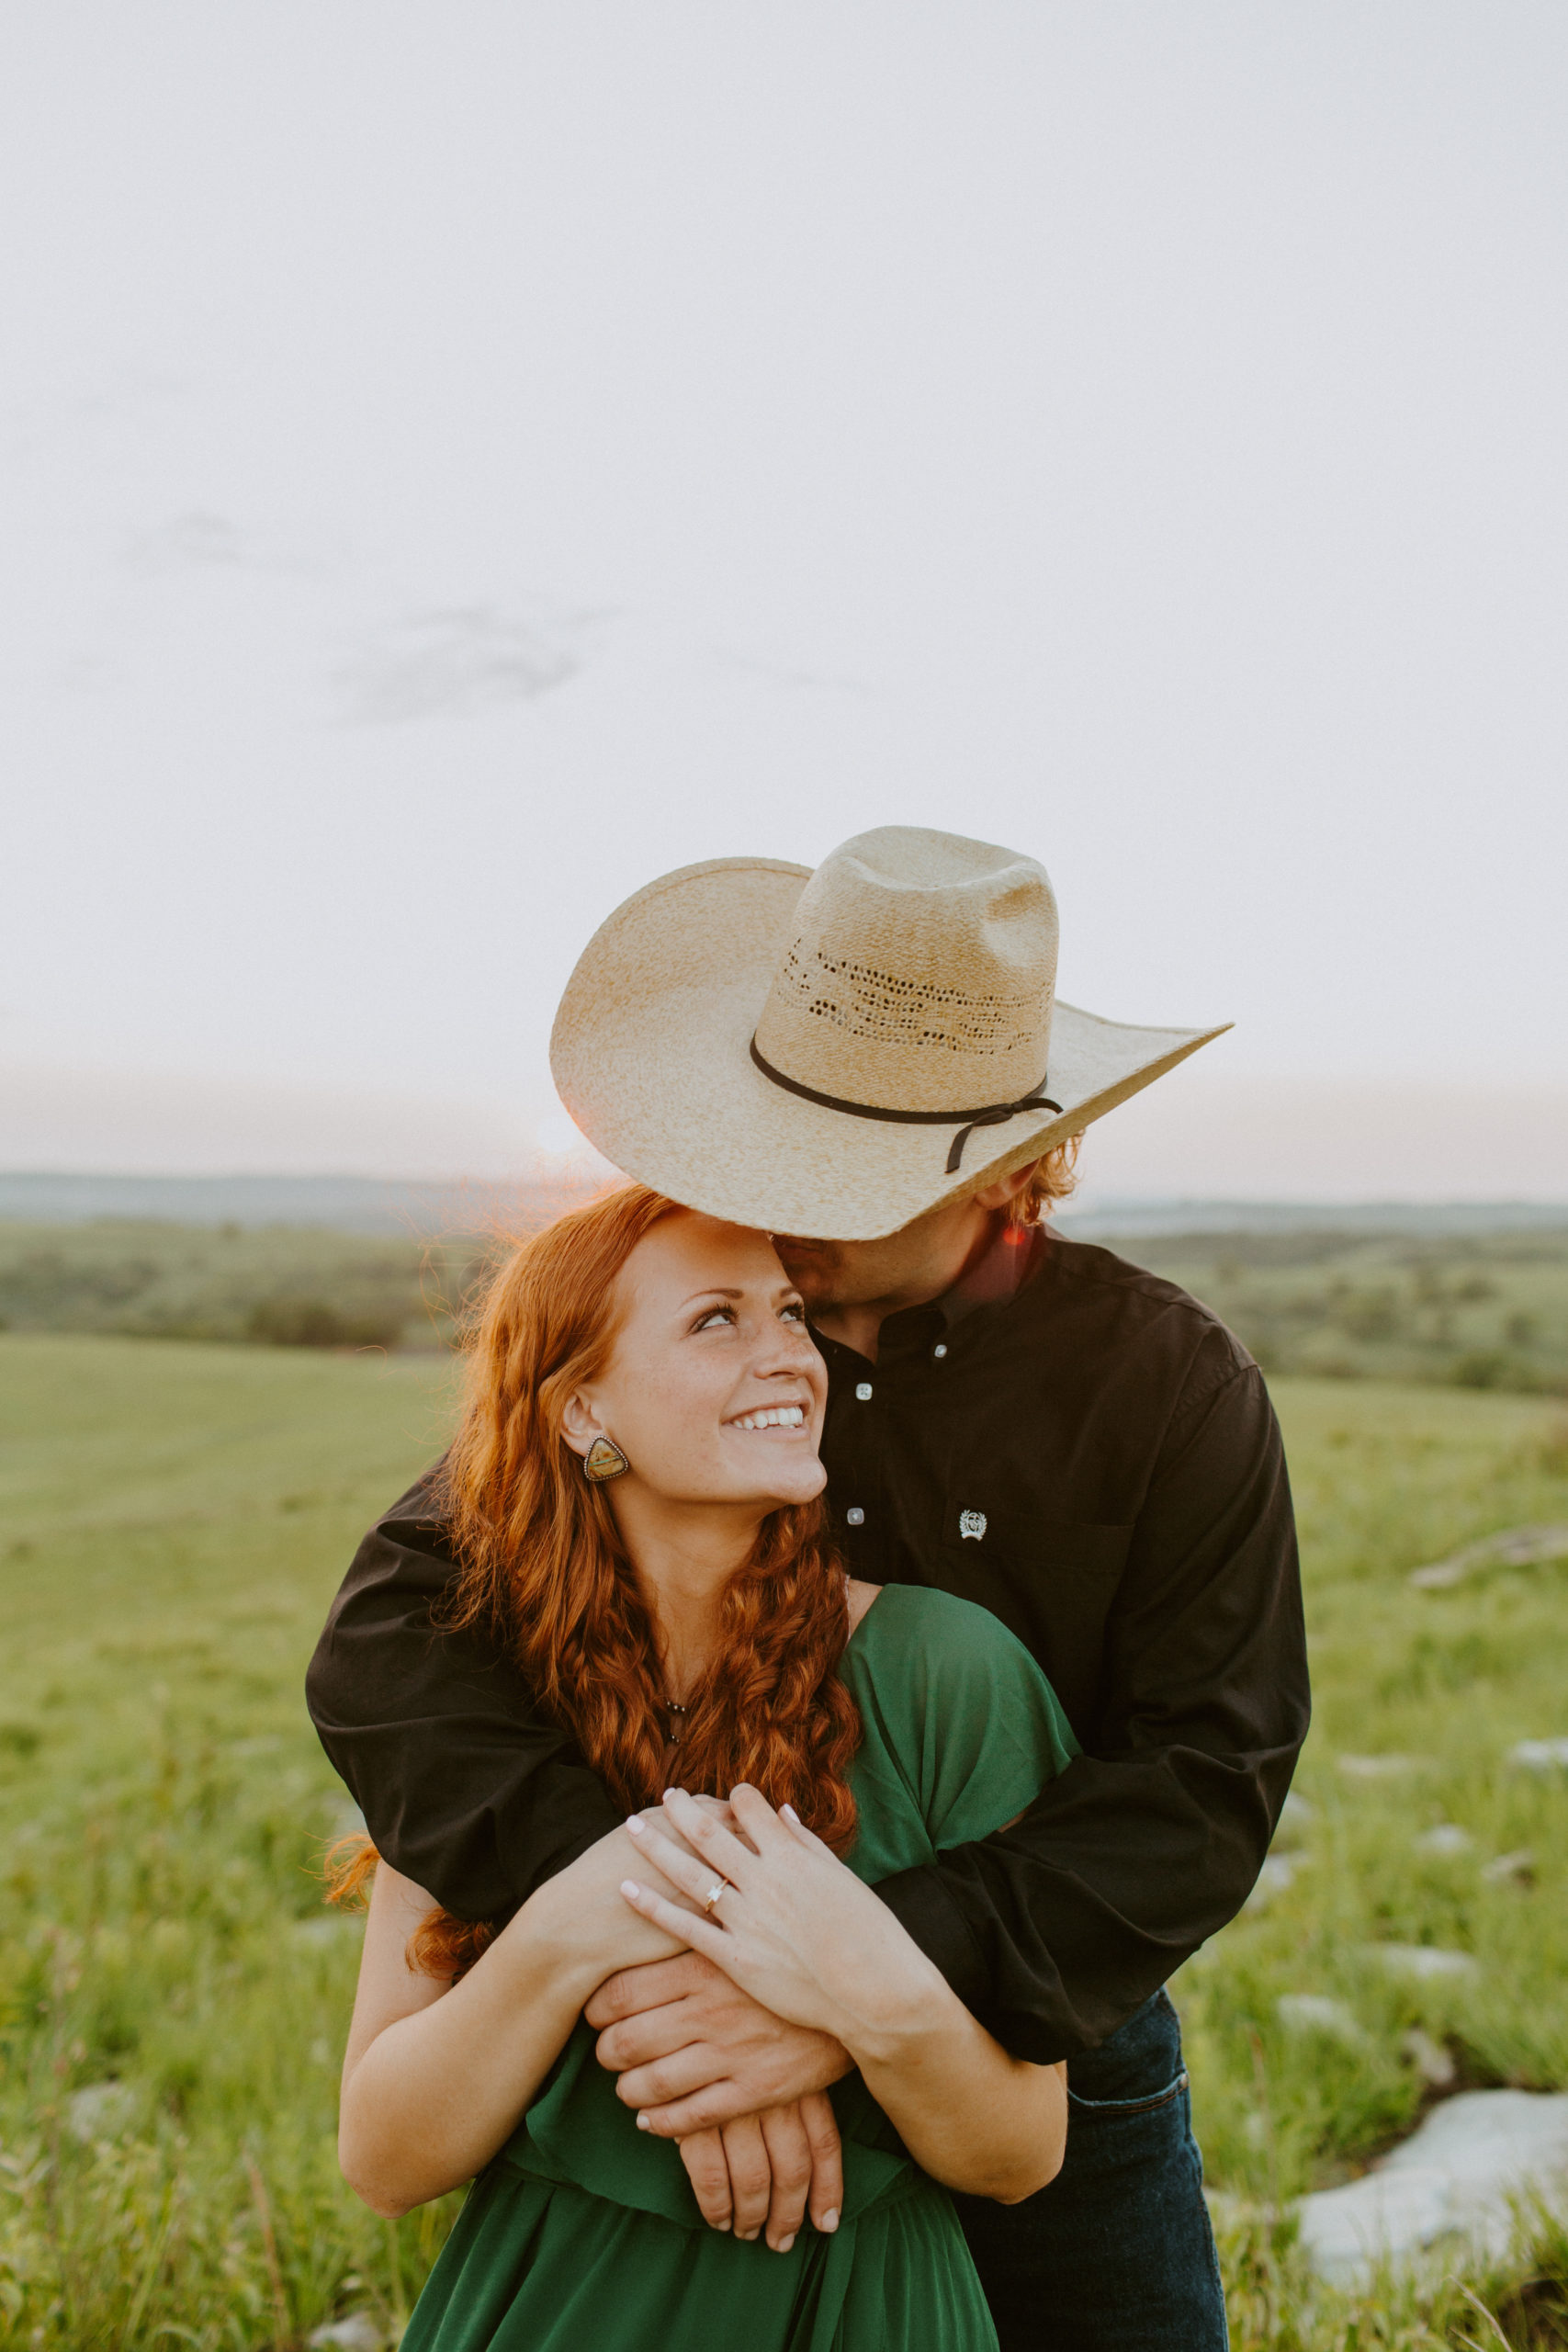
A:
[580,1425]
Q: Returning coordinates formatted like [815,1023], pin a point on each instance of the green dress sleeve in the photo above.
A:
[960,1725]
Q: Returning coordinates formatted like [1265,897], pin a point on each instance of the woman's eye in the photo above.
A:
[795,1313]
[714,1314]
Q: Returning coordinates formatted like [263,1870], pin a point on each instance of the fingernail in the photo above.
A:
[790,1813]
[748,2237]
[643,2124]
[784,2243]
[830,2220]
[630,1889]
[634,1824]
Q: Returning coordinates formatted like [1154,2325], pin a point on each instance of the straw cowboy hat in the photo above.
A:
[833,1053]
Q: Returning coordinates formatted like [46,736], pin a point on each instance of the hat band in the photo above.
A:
[989,1115]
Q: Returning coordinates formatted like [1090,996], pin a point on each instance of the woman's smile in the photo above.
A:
[770,1417]
[712,1390]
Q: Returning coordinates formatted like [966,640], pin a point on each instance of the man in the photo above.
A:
[1032,1424]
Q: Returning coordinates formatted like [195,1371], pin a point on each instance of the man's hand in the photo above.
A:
[765,2169]
[693,2052]
[741,2090]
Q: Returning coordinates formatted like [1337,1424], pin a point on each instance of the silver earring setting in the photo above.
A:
[604,1461]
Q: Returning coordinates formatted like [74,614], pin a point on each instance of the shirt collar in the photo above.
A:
[997,1275]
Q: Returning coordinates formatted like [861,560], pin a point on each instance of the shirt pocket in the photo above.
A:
[1052,1582]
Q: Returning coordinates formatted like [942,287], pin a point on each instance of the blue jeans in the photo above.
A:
[1117,2254]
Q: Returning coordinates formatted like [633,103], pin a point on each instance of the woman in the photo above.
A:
[634,1498]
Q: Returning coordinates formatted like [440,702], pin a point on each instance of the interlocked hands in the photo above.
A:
[791,1925]
[792,1935]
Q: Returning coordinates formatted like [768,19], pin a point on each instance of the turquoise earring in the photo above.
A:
[604,1461]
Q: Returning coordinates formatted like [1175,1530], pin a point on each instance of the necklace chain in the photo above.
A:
[674,1706]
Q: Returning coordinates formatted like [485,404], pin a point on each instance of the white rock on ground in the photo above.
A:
[1448,1837]
[1459,2182]
[100,2110]
[1431,2061]
[1516,1547]
[1320,2013]
[357,2333]
[1272,1880]
[1297,1816]
[1421,1962]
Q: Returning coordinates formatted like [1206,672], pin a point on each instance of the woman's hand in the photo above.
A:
[581,1910]
[791,1925]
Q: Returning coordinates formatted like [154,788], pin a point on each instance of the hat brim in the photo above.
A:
[651,1054]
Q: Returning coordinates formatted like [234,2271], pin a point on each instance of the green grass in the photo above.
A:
[176,1521]
[280,1284]
[1484,1311]
[1477,1311]
[1387,1480]
[1449,1681]
[176,1518]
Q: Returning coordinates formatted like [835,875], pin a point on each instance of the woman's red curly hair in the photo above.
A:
[541,1565]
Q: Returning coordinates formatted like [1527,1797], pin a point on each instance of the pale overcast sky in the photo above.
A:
[460,460]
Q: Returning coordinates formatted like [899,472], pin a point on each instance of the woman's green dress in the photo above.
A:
[584,2234]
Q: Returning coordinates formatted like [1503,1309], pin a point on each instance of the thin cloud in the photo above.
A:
[445,664]
[200,541]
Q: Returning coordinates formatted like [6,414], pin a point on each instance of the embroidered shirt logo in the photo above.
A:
[972,1522]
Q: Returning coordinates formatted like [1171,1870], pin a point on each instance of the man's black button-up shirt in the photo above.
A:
[1067,1440]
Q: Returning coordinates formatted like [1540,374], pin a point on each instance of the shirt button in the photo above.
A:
[854,1516]
[940,1349]
[862,1390]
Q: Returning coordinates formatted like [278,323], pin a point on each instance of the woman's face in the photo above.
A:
[714,1392]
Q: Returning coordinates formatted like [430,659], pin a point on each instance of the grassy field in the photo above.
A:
[1476,1311]
[173,1999]
[1485,1310]
[285,1284]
